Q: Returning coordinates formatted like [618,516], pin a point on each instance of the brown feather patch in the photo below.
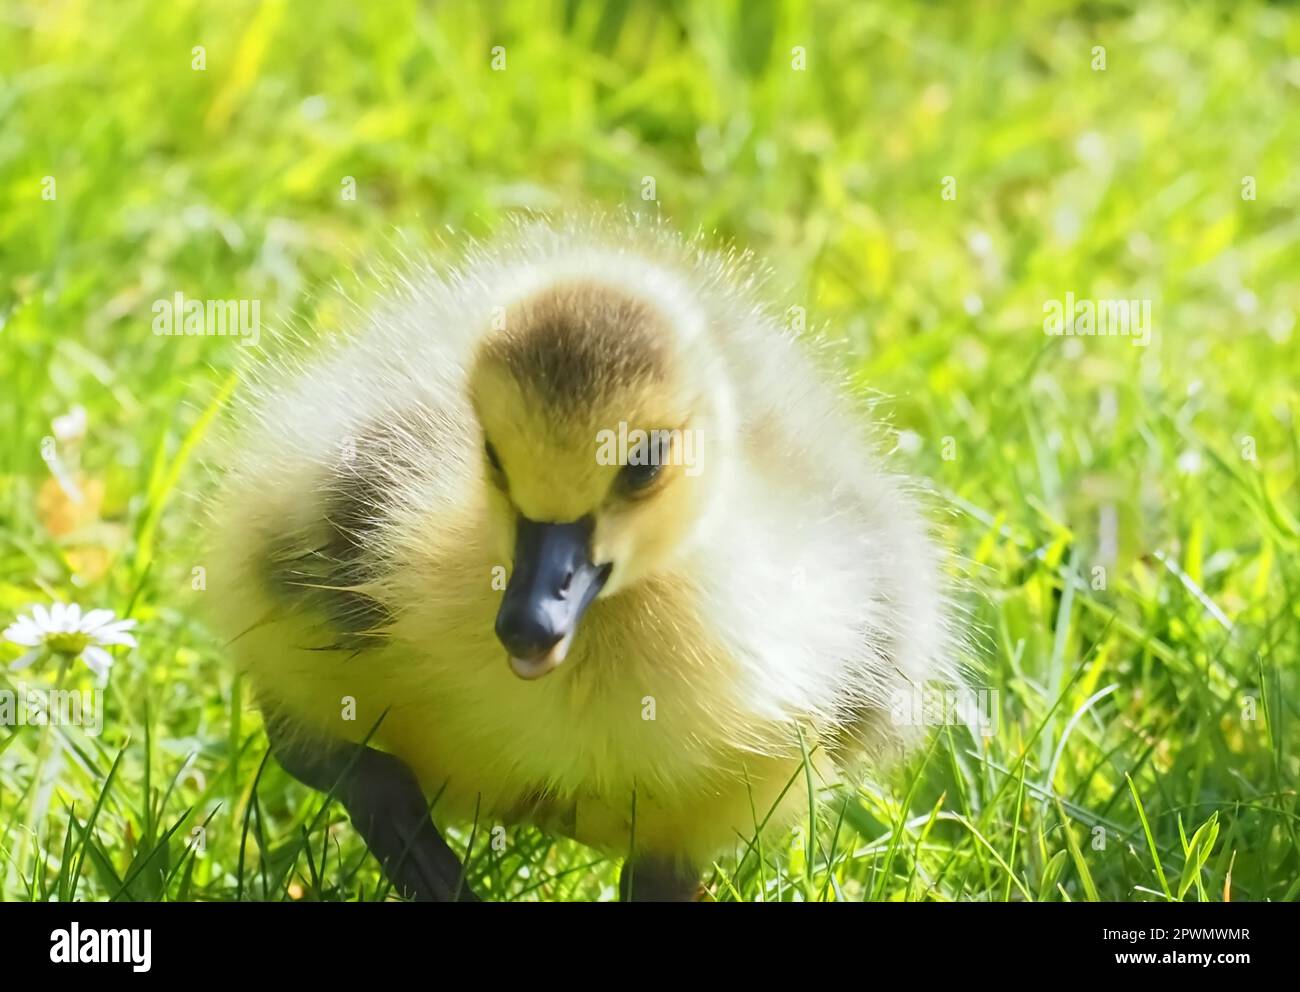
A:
[577,343]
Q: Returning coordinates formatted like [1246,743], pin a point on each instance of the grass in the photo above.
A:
[1125,517]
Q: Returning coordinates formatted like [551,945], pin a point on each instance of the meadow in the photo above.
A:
[927,185]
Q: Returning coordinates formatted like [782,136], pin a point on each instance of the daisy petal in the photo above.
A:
[99,662]
[116,637]
[57,611]
[42,618]
[94,619]
[22,633]
[72,619]
[24,661]
[110,629]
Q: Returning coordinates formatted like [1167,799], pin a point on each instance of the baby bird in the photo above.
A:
[572,533]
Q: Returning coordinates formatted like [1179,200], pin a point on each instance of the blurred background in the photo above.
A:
[923,181]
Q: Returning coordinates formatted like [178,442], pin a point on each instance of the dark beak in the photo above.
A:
[553,582]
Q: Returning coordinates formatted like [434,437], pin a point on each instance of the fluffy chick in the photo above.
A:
[445,537]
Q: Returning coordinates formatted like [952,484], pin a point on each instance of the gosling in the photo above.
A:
[572,533]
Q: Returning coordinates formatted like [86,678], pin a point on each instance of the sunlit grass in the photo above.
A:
[1146,665]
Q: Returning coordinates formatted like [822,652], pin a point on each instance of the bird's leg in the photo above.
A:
[649,879]
[388,808]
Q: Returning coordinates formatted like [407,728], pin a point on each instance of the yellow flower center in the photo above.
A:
[67,644]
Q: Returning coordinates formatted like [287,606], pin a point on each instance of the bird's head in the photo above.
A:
[603,420]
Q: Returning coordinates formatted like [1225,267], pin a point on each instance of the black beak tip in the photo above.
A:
[526,633]
[553,582]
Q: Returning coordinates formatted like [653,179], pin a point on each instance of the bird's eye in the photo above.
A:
[634,478]
[493,459]
[643,467]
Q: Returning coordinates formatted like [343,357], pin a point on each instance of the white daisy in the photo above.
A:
[63,630]
[71,426]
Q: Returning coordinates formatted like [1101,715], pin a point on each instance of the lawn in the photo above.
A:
[923,181]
